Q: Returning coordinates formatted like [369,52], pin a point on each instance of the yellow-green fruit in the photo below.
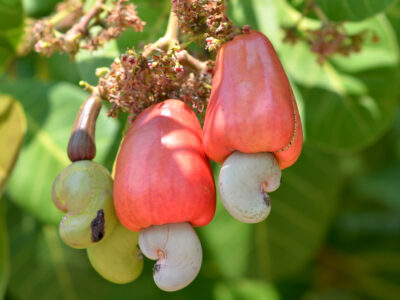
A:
[117,259]
[84,190]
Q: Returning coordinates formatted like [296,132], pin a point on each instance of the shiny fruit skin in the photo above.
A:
[162,174]
[252,107]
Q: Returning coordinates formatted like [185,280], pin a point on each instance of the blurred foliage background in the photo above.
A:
[334,229]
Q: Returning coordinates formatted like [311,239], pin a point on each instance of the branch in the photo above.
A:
[170,38]
[188,60]
[79,29]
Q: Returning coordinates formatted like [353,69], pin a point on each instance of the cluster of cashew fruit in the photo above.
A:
[164,186]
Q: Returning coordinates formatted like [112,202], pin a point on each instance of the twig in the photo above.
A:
[318,11]
[188,60]
[79,29]
[170,38]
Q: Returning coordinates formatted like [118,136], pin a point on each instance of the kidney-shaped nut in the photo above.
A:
[118,258]
[244,181]
[178,252]
[84,191]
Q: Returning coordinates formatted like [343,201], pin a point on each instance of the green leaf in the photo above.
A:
[302,209]
[51,110]
[382,185]
[353,10]
[10,14]
[346,106]
[246,289]
[155,14]
[11,29]
[259,14]
[4,254]
[37,9]
[12,132]
[229,241]
[394,18]
[88,62]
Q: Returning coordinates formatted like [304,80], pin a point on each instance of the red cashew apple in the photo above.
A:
[162,177]
[252,110]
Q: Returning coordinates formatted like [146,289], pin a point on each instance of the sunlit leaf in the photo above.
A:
[346,107]
[12,132]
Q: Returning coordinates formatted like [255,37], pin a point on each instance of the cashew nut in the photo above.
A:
[244,181]
[178,252]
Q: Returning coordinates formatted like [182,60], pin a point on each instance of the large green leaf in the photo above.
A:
[4,254]
[302,209]
[346,106]
[50,111]
[12,132]
[353,10]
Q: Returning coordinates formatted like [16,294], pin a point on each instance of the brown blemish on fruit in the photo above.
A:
[267,199]
[97,226]
[156,268]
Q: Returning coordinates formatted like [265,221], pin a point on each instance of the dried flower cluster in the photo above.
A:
[328,40]
[122,17]
[135,82]
[116,20]
[206,20]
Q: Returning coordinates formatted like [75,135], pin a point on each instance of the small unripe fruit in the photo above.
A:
[84,191]
[117,258]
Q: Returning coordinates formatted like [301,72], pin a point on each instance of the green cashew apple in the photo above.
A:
[84,190]
[118,258]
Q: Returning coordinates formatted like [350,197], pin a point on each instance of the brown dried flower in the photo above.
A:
[122,17]
[135,82]
[205,19]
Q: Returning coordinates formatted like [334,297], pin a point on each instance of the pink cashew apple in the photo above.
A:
[252,110]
